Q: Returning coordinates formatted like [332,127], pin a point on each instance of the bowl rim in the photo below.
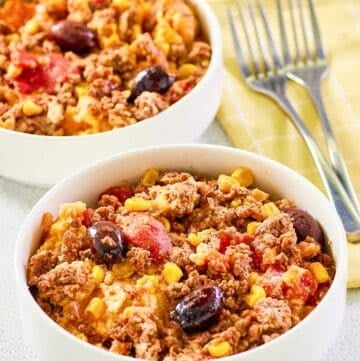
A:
[212,27]
[20,274]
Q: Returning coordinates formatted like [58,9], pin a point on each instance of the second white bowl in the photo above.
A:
[43,160]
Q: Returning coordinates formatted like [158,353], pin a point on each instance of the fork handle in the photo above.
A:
[311,81]
[334,188]
[336,158]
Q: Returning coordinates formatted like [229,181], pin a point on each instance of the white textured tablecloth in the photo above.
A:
[16,201]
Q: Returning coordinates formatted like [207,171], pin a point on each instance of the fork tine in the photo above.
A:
[317,37]
[247,37]
[275,56]
[293,25]
[284,42]
[238,48]
[257,36]
[303,27]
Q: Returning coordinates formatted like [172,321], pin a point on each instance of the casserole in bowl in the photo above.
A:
[156,99]
[275,179]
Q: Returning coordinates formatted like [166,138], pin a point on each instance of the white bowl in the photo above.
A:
[43,160]
[306,341]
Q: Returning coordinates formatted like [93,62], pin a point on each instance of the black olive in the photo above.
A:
[199,310]
[305,225]
[73,36]
[106,241]
[153,79]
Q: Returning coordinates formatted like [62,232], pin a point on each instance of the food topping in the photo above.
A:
[148,233]
[73,36]
[106,240]
[40,73]
[199,310]
[305,225]
[153,79]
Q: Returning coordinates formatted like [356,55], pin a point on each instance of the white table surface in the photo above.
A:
[16,201]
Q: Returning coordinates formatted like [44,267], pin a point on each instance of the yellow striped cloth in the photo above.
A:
[255,123]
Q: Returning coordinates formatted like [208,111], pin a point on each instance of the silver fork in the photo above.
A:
[269,78]
[308,71]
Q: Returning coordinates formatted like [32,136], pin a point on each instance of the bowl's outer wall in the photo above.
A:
[307,341]
[43,160]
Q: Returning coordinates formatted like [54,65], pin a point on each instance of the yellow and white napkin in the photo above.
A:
[255,123]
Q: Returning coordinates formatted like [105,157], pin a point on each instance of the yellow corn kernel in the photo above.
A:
[205,63]
[225,182]
[172,37]
[128,311]
[204,234]
[82,337]
[256,294]
[98,273]
[253,276]
[167,35]
[172,272]
[70,211]
[150,177]
[194,239]
[150,282]
[186,70]
[270,209]
[13,71]
[244,176]
[199,260]
[251,227]
[80,90]
[30,108]
[199,257]
[292,275]
[109,42]
[165,47]
[83,112]
[65,301]
[121,5]
[122,270]
[259,195]
[235,203]
[219,349]
[11,96]
[166,223]
[136,30]
[320,272]
[153,279]
[32,26]
[108,36]
[96,307]
[12,37]
[137,204]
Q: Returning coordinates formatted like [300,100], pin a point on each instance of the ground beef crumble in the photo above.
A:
[180,235]
[65,280]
